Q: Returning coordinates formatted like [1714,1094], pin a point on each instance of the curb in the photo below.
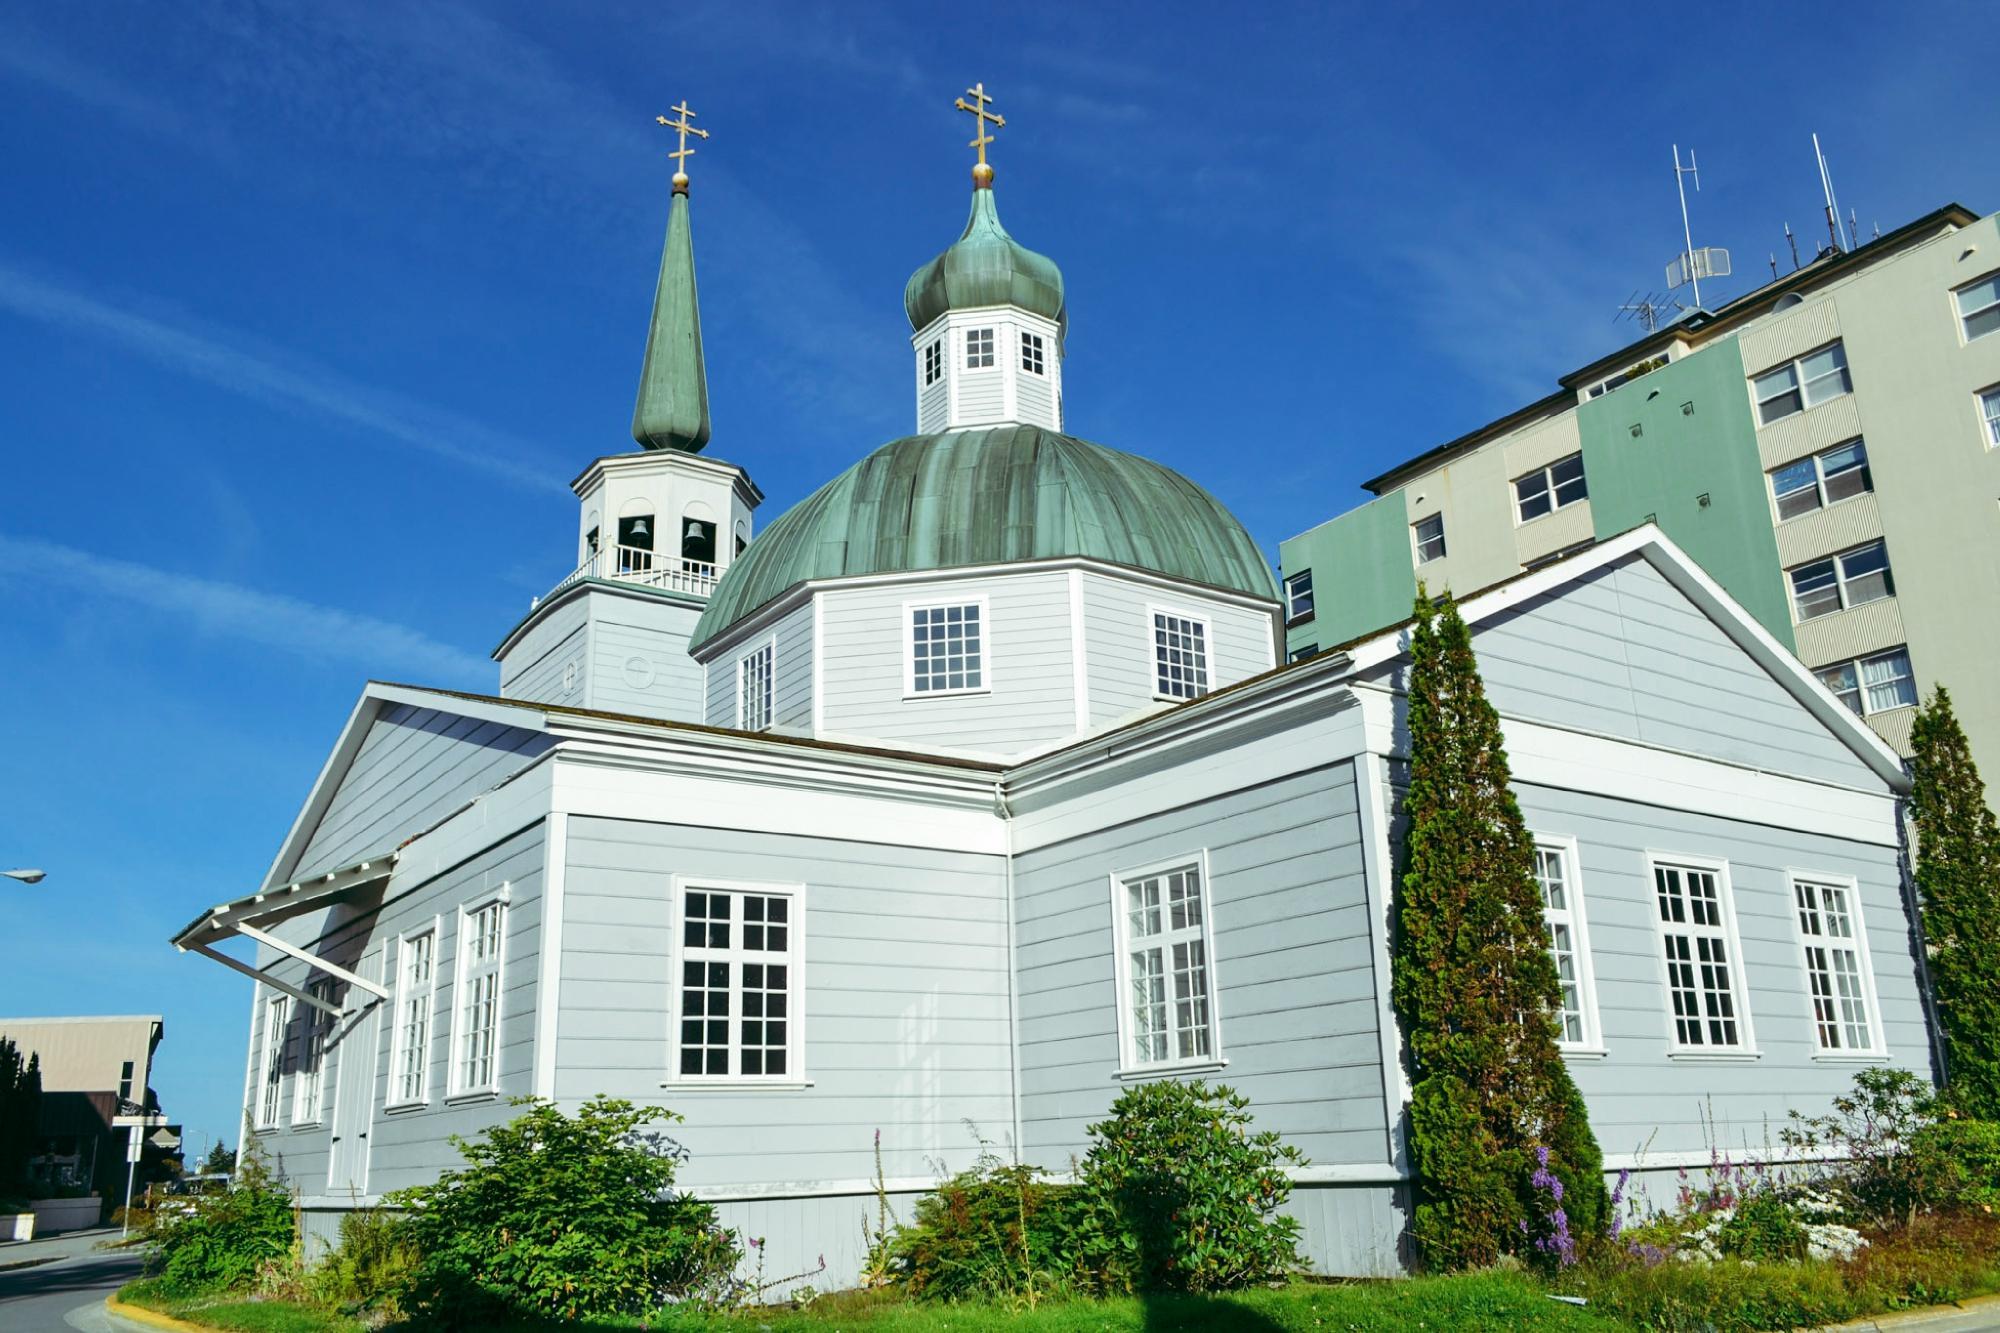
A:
[151,1318]
[1918,1318]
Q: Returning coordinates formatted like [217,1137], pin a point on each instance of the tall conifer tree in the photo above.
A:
[1475,985]
[1958,886]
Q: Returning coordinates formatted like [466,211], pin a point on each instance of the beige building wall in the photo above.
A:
[87,1054]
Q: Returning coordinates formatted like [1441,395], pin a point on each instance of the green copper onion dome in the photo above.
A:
[672,411]
[985,266]
[993,496]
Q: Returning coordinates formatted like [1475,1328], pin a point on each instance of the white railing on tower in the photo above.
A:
[648,569]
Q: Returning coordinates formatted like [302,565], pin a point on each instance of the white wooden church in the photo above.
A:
[974,788]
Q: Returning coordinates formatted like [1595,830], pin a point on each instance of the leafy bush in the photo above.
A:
[996,1232]
[224,1242]
[565,1217]
[1177,1194]
[370,1269]
[1904,1150]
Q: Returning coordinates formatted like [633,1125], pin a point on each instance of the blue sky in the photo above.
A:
[309,313]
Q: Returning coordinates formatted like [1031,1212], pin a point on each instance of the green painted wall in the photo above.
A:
[1364,576]
[1695,440]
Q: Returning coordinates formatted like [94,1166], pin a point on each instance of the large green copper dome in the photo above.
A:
[984,267]
[978,497]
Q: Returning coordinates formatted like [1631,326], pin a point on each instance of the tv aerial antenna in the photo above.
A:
[1690,266]
[1648,311]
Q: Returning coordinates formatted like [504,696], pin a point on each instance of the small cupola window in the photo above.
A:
[1031,353]
[698,541]
[979,349]
[934,362]
[635,543]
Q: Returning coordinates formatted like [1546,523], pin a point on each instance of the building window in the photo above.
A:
[1031,353]
[1168,980]
[740,955]
[753,690]
[1871,685]
[1180,656]
[125,1082]
[1989,412]
[482,939]
[271,1074]
[1548,489]
[1806,382]
[1299,595]
[934,362]
[1979,307]
[1304,652]
[1562,913]
[978,349]
[1827,477]
[1430,538]
[947,648]
[416,980]
[635,544]
[306,1105]
[1830,933]
[1837,582]
[1701,967]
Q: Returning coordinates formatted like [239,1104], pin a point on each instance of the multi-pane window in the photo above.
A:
[1840,581]
[1562,913]
[482,940]
[1170,1001]
[739,977]
[1548,489]
[947,648]
[1979,307]
[125,1081]
[1429,533]
[1180,656]
[1989,412]
[1830,932]
[934,362]
[1807,382]
[1812,483]
[1701,976]
[271,1072]
[978,349]
[416,978]
[753,690]
[311,1082]
[1874,684]
[1299,595]
[1031,353]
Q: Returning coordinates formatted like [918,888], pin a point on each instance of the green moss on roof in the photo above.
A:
[983,267]
[995,496]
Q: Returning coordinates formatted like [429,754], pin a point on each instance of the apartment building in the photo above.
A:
[1827,447]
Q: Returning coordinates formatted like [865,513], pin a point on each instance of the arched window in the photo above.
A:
[697,535]
[635,537]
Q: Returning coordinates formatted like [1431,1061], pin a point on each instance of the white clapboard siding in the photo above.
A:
[1118,641]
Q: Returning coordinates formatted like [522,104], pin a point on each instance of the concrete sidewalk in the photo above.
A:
[1978,1315]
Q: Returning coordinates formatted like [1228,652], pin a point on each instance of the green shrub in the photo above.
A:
[565,1217]
[1902,1149]
[224,1242]
[370,1269]
[996,1232]
[1177,1194]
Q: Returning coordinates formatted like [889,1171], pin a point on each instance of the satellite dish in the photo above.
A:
[1711,261]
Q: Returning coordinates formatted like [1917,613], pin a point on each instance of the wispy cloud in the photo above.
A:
[229,363]
[234,611]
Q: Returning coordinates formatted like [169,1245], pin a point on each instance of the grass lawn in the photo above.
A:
[236,1312]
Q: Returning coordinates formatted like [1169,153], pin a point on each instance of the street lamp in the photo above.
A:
[26,876]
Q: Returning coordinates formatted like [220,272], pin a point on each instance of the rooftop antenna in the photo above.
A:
[1853,239]
[1826,186]
[1692,265]
[1793,241]
[1647,311]
[1774,266]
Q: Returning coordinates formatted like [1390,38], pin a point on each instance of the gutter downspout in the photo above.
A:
[1006,815]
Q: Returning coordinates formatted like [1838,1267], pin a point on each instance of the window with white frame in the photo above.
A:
[934,362]
[753,690]
[1825,478]
[271,1069]
[416,981]
[1989,412]
[1180,656]
[309,1086]
[1840,581]
[125,1077]
[1875,684]
[482,940]
[978,349]
[1429,536]
[1548,489]
[1979,306]
[1562,913]
[740,961]
[1812,379]
[1031,353]
[947,648]
[1168,977]
[1830,933]
[1706,999]
[1299,595]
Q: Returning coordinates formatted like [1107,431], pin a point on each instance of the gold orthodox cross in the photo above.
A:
[682,153]
[981,118]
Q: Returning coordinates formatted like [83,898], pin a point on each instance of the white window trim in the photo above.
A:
[1217,1057]
[269,1051]
[1746,1035]
[1797,363]
[978,599]
[309,1091]
[965,349]
[741,721]
[795,1075]
[1556,506]
[1979,397]
[1861,685]
[1958,313]
[1209,685]
[435,929]
[926,374]
[454,1082]
[1417,556]
[1877,1043]
[1041,369]
[1819,480]
[1290,613]
[1841,580]
[1579,921]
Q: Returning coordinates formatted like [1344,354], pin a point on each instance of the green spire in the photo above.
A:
[672,412]
[985,266]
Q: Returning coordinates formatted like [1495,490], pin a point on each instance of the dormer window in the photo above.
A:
[934,362]
[979,349]
[1031,353]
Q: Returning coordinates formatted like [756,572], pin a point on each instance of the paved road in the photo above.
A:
[68,1293]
